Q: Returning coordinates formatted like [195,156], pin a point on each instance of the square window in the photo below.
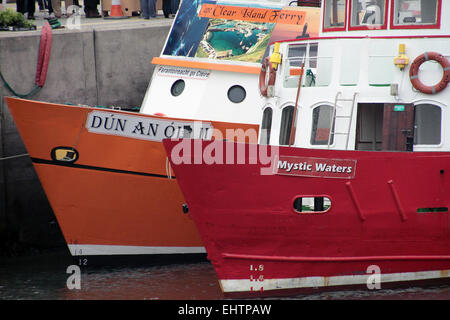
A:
[334,15]
[368,14]
[416,14]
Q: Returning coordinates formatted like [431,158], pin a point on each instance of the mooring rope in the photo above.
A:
[42,65]
[14,157]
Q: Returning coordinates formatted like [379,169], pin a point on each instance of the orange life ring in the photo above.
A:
[263,84]
[414,72]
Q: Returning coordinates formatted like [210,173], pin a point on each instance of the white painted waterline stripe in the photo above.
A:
[244,285]
[103,250]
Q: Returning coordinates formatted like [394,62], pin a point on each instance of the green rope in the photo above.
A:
[32,92]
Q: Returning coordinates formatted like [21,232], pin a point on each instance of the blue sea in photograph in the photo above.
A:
[234,40]
[188,30]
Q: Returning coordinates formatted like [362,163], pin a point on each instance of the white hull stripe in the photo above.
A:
[103,250]
[246,285]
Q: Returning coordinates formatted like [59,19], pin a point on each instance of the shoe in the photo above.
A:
[93,15]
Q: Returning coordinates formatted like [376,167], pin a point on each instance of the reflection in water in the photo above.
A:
[45,277]
[38,278]
[174,282]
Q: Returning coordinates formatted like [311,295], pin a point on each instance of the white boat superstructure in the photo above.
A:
[364,85]
[189,85]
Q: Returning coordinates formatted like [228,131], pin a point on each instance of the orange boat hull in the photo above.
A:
[118,197]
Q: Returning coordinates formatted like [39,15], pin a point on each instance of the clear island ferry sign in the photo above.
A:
[146,128]
[261,15]
[315,167]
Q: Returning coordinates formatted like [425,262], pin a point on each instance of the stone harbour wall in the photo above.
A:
[101,65]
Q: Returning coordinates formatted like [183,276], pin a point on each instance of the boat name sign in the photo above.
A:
[180,72]
[146,128]
[316,167]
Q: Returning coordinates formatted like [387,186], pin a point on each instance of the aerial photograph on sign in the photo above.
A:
[235,40]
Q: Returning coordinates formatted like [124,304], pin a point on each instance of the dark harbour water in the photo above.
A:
[44,277]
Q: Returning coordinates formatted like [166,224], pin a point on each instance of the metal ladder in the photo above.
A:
[334,117]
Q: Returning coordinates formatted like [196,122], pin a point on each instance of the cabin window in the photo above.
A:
[236,94]
[286,125]
[368,14]
[416,14]
[350,64]
[296,57]
[334,15]
[427,126]
[177,87]
[297,54]
[321,125]
[381,69]
[266,126]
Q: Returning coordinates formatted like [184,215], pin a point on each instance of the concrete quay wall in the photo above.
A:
[96,65]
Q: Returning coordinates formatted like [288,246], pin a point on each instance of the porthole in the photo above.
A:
[311,204]
[237,94]
[177,87]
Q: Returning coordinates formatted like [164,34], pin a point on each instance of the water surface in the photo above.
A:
[44,277]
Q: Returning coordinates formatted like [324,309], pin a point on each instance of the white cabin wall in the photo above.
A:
[215,104]
[159,99]
[205,99]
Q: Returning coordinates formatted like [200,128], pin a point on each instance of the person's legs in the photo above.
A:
[20,6]
[67,5]
[175,5]
[90,8]
[167,8]
[145,9]
[31,8]
[152,8]
[48,3]
[56,5]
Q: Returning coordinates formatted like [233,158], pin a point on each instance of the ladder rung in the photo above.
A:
[344,99]
[348,117]
[343,133]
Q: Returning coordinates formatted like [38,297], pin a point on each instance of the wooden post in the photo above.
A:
[294,116]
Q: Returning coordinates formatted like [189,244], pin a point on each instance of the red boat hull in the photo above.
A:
[259,244]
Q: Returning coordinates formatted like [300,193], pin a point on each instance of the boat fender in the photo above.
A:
[414,72]
[264,80]
[45,48]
